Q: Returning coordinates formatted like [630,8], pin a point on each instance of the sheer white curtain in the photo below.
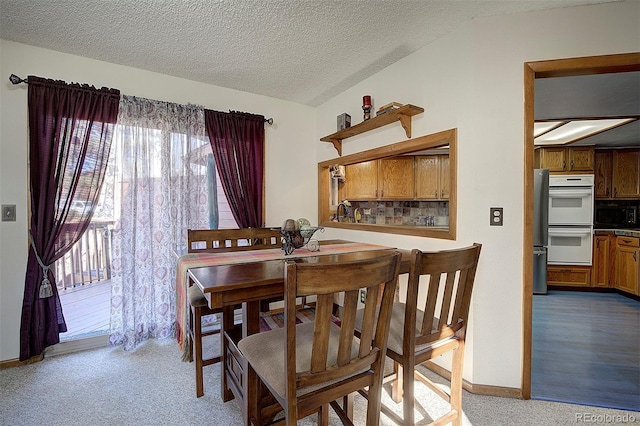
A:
[157,180]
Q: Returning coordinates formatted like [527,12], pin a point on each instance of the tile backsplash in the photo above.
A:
[409,213]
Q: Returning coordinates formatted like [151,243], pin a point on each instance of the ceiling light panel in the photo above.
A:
[541,127]
[578,129]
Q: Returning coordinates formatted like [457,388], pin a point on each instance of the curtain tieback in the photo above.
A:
[45,286]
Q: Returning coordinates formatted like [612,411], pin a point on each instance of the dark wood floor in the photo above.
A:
[586,349]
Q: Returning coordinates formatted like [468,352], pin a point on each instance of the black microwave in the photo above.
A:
[608,216]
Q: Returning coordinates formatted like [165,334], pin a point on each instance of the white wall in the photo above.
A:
[290,177]
[472,79]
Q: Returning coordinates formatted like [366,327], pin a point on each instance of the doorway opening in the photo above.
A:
[545,69]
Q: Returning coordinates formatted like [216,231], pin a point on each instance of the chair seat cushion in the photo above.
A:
[266,351]
[196,297]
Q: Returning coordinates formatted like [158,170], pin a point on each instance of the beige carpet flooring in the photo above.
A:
[151,386]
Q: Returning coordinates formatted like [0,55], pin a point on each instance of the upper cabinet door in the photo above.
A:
[603,168]
[626,173]
[432,177]
[396,178]
[580,159]
[445,181]
[361,180]
[427,172]
[554,159]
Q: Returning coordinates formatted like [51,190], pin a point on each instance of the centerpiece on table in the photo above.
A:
[297,234]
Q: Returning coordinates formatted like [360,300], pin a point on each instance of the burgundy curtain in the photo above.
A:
[237,140]
[70,130]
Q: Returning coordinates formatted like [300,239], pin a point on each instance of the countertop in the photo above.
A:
[621,232]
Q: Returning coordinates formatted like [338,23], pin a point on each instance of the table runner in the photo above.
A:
[200,260]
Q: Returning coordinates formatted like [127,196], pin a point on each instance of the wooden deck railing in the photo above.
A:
[89,260]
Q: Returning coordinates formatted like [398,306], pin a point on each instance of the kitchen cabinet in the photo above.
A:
[617,174]
[626,173]
[627,271]
[422,177]
[569,275]
[361,181]
[603,171]
[396,178]
[384,179]
[603,254]
[579,159]
[432,177]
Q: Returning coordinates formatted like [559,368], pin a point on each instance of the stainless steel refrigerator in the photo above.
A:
[540,229]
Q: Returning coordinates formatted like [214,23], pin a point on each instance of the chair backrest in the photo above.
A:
[214,240]
[333,357]
[266,238]
[451,274]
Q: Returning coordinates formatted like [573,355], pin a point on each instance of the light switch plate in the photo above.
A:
[8,212]
[495,216]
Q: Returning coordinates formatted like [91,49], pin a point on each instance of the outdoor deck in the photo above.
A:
[86,310]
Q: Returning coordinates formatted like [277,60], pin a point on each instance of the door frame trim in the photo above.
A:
[604,64]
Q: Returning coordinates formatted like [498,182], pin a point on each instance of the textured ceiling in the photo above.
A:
[304,51]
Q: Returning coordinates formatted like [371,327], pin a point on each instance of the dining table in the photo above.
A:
[248,277]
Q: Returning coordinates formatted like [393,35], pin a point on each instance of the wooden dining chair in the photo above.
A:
[418,334]
[211,241]
[306,367]
[222,240]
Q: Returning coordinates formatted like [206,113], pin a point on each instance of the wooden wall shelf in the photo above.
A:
[402,114]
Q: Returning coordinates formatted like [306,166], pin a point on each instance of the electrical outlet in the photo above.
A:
[8,212]
[363,295]
[495,216]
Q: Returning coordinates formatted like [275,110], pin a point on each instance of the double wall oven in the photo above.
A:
[571,203]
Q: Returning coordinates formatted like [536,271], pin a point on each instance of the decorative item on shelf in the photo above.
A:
[297,234]
[391,106]
[366,106]
[344,121]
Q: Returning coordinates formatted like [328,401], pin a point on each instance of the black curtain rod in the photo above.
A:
[266,120]
[17,80]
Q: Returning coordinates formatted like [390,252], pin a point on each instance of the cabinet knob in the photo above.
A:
[436,194]
[571,165]
[564,165]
